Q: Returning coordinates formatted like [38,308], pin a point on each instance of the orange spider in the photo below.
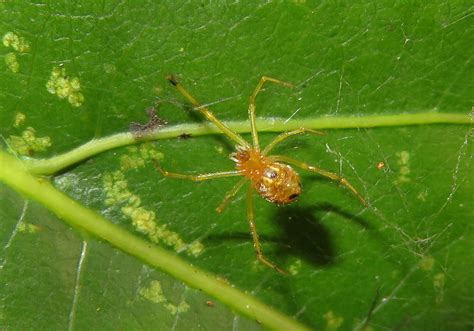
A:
[270,175]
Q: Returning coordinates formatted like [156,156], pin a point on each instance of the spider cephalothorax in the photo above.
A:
[275,182]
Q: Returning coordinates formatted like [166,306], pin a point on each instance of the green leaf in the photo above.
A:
[403,262]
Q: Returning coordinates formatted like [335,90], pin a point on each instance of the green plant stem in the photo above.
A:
[96,146]
[14,174]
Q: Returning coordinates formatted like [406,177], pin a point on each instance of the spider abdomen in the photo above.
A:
[279,184]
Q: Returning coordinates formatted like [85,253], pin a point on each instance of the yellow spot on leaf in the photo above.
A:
[116,188]
[28,143]
[422,195]
[157,90]
[28,228]
[139,157]
[333,322]
[154,293]
[12,62]
[403,162]
[65,87]
[75,99]
[404,157]
[427,263]
[439,280]
[219,149]
[143,220]
[110,68]
[13,40]
[196,248]
[19,119]
[438,283]
[295,267]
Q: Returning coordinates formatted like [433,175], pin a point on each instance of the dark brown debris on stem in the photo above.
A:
[154,122]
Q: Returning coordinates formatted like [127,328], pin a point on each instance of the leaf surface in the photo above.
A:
[405,262]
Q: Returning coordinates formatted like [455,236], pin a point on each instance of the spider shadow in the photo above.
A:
[305,236]
[301,234]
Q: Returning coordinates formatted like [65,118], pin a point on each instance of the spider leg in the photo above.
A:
[253,231]
[288,134]
[321,172]
[252,115]
[197,178]
[231,194]
[207,113]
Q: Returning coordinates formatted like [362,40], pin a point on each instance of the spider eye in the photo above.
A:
[270,173]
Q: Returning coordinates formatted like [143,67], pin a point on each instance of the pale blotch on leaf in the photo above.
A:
[157,90]
[28,143]
[28,228]
[438,283]
[195,248]
[404,170]
[12,62]
[154,293]
[109,68]
[115,187]
[220,149]
[65,87]
[139,157]
[427,263]
[422,195]
[168,237]
[75,99]
[19,120]
[143,220]
[439,280]
[134,201]
[18,43]
[295,267]
[333,322]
